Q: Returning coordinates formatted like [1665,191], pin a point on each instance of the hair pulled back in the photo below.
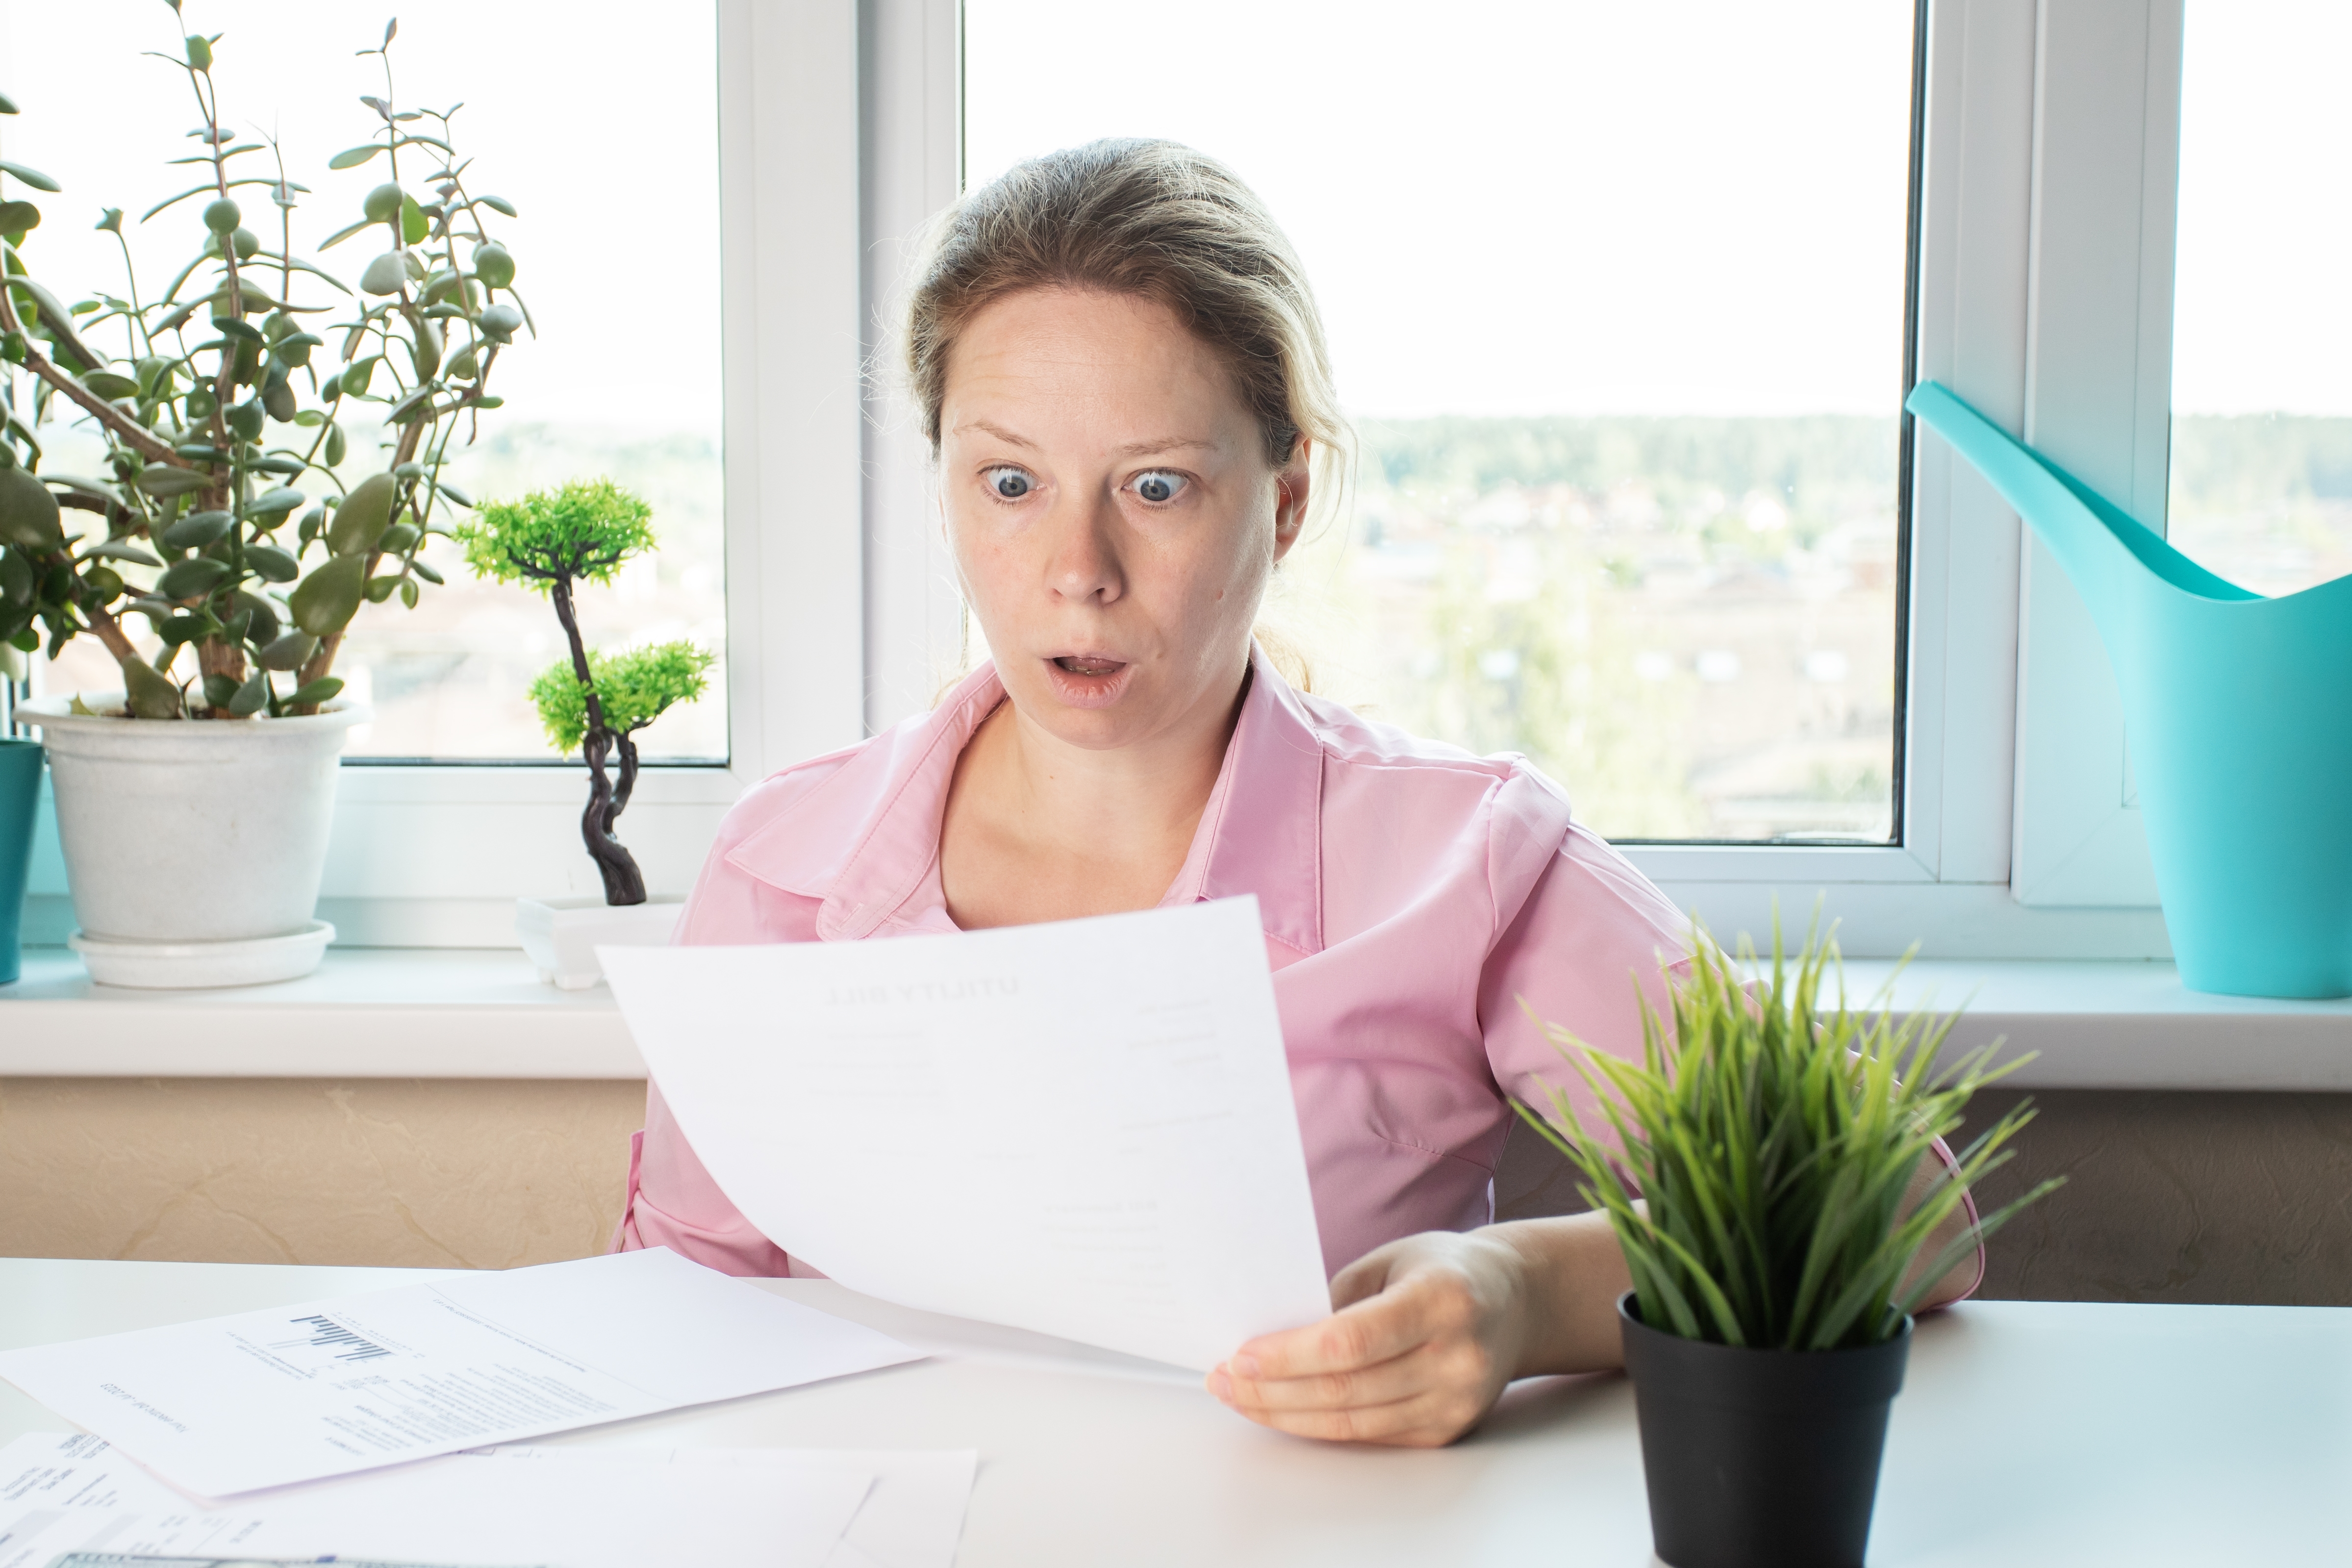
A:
[1151,219]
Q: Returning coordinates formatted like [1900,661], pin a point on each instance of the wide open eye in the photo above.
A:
[1008,483]
[1158,486]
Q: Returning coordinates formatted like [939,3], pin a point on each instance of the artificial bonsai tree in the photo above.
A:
[592,703]
[222,402]
[1761,1185]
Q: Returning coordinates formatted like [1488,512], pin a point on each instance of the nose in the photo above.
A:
[1081,564]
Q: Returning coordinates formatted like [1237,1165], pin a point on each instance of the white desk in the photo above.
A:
[2028,1434]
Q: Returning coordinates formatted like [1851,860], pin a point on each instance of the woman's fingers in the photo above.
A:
[1375,1330]
[1419,1362]
[1430,1418]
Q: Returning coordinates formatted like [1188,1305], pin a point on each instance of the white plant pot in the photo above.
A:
[193,848]
[562,935]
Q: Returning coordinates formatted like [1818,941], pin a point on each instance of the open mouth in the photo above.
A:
[1089,666]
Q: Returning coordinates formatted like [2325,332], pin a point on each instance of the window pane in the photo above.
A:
[601,130]
[2262,427]
[1616,297]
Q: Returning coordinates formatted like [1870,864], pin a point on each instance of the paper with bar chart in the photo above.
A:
[227,1406]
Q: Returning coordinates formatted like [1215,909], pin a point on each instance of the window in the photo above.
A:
[2261,483]
[1617,301]
[602,132]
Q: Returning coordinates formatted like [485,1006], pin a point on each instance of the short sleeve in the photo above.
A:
[1590,931]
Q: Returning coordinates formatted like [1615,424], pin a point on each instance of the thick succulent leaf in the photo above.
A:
[325,601]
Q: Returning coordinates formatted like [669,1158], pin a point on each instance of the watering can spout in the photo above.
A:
[2238,710]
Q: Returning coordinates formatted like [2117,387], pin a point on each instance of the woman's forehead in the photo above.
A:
[1062,357]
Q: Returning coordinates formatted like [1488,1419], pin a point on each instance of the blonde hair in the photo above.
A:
[1159,221]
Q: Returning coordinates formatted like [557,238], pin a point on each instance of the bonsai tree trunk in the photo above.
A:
[624,883]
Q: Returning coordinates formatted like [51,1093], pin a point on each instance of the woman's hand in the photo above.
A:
[1424,1334]
[1427,1331]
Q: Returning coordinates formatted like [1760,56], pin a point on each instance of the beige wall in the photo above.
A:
[2236,1198]
[484,1173]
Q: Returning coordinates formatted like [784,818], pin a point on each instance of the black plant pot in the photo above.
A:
[1760,1458]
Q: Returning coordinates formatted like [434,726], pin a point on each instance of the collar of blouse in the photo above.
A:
[865,839]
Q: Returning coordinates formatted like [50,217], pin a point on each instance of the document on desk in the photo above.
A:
[1083,1127]
[232,1404]
[585,1508]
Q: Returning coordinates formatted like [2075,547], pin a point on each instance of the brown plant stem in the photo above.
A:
[136,436]
[624,883]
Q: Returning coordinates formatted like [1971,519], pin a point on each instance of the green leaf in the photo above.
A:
[582,531]
[271,565]
[167,481]
[425,570]
[219,691]
[287,652]
[379,589]
[413,225]
[7,104]
[633,688]
[336,446]
[31,177]
[499,323]
[121,551]
[188,579]
[152,694]
[322,689]
[356,376]
[110,385]
[253,696]
[385,274]
[341,235]
[195,531]
[408,595]
[363,517]
[398,539]
[275,464]
[325,601]
[499,205]
[19,218]
[274,503]
[244,331]
[352,157]
[454,494]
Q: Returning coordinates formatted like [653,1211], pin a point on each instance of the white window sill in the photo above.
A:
[435,1012]
[482,1013]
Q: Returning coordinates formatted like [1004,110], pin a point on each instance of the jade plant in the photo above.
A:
[1765,1150]
[225,404]
[594,703]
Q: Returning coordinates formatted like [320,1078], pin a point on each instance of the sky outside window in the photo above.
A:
[1616,297]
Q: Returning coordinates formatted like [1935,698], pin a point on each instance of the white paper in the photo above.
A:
[1083,1127]
[264,1399]
[554,1508]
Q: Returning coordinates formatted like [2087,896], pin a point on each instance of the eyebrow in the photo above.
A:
[1152,448]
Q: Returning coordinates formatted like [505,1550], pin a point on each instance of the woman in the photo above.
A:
[1121,371]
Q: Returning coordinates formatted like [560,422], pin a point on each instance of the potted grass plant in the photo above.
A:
[554,541]
[1759,1166]
[234,533]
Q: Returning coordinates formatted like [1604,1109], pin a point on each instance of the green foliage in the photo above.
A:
[216,399]
[1774,1143]
[579,532]
[633,688]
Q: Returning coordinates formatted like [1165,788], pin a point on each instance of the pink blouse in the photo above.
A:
[1412,895]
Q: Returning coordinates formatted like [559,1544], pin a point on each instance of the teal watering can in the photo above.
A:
[2238,710]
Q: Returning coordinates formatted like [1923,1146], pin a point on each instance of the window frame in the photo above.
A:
[2045,174]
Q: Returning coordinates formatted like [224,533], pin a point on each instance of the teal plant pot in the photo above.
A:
[2237,711]
[20,793]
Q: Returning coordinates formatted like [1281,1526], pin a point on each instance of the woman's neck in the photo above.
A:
[1037,830]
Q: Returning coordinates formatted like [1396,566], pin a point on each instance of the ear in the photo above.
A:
[1290,505]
